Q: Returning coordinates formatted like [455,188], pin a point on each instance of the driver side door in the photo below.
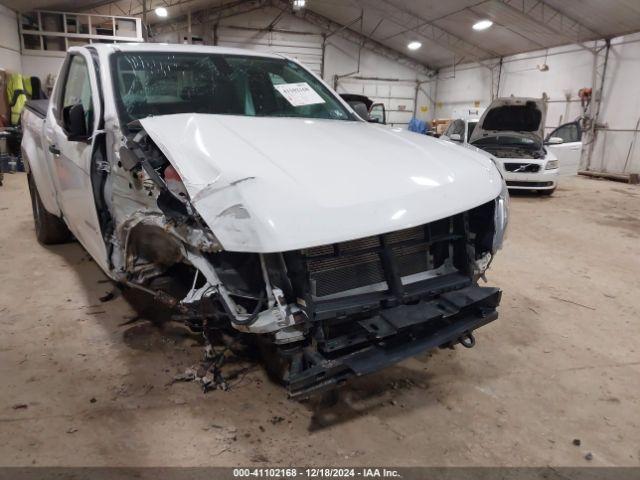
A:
[72,157]
[569,151]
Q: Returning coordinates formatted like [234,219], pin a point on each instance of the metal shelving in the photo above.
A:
[52,33]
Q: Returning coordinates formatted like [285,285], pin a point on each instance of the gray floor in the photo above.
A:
[562,362]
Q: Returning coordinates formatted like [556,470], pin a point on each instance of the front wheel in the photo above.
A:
[49,228]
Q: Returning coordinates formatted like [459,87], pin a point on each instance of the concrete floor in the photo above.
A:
[79,387]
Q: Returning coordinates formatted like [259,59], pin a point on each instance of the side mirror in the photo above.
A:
[455,137]
[377,113]
[75,122]
[554,141]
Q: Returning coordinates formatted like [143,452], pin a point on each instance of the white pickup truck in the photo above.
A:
[243,193]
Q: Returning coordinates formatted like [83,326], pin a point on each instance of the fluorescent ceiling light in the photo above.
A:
[482,25]
[414,45]
[161,12]
[299,3]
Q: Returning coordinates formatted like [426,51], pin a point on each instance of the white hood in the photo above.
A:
[513,116]
[278,184]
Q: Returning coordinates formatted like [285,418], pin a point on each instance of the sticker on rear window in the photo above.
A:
[299,94]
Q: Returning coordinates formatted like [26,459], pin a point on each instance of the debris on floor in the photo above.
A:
[218,367]
[19,406]
[576,442]
[108,297]
[588,456]
[208,373]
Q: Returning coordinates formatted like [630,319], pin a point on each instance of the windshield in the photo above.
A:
[506,141]
[162,83]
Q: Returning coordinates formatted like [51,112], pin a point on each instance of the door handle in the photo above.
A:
[53,149]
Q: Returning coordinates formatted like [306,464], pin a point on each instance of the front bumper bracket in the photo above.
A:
[399,333]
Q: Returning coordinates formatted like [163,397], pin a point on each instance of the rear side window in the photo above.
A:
[77,89]
[457,126]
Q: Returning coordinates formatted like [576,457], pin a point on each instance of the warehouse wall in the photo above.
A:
[459,90]
[396,89]
[570,69]
[9,41]
[617,149]
[10,57]
[42,65]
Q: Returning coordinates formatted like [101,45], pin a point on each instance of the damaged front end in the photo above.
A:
[321,314]
[375,301]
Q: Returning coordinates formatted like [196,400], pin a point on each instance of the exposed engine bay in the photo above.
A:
[320,314]
[514,152]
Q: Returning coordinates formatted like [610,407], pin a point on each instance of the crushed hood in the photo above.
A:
[278,184]
[514,116]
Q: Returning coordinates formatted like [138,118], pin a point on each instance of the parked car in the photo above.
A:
[460,130]
[366,108]
[511,130]
[239,190]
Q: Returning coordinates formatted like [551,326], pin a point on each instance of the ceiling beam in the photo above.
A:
[176,3]
[554,20]
[211,15]
[335,28]
[428,30]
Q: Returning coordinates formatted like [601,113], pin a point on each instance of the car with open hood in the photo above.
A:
[511,131]
[240,191]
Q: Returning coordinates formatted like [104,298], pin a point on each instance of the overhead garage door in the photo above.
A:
[398,96]
[304,47]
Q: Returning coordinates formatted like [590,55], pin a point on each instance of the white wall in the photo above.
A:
[41,66]
[9,41]
[570,69]
[10,57]
[396,87]
[468,87]
[617,148]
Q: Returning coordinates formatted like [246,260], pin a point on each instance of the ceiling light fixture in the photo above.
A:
[162,12]
[482,25]
[298,4]
[414,45]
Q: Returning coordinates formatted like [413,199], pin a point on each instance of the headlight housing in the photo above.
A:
[551,164]
[500,218]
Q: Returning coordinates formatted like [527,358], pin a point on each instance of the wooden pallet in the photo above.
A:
[632,178]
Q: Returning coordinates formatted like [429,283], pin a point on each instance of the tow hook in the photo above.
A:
[468,340]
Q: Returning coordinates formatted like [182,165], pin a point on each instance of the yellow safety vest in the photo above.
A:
[17,96]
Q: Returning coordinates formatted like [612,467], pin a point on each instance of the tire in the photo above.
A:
[547,193]
[50,229]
